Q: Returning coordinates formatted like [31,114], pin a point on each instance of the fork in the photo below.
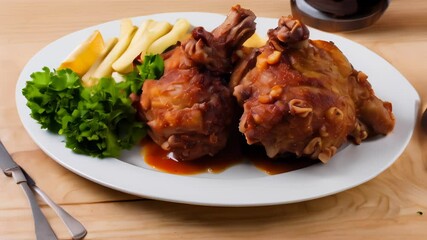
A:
[75,228]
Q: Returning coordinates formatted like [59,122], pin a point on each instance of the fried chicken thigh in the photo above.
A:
[189,108]
[304,97]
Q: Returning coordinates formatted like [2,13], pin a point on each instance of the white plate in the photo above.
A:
[241,185]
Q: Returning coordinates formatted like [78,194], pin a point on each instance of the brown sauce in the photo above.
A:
[286,163]
[161,160]
[234,153]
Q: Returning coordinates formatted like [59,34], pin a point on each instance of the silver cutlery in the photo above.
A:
[75,228]
[42,227]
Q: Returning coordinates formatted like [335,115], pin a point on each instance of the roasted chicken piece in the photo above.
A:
[189,108]
[303,96]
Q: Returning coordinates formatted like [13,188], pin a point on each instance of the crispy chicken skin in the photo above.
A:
[189,109]
[303,96]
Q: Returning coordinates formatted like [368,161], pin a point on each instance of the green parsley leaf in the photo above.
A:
[99,121]
[103,123]
[152,67]
[51,95]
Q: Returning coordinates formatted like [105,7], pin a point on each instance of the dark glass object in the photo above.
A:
[338,15]
[424,121]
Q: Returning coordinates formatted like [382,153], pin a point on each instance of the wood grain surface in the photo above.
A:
[391,206]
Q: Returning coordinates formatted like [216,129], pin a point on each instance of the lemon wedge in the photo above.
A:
[82,58]
[255,41]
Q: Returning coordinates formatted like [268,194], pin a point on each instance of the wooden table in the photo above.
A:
[391,206]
